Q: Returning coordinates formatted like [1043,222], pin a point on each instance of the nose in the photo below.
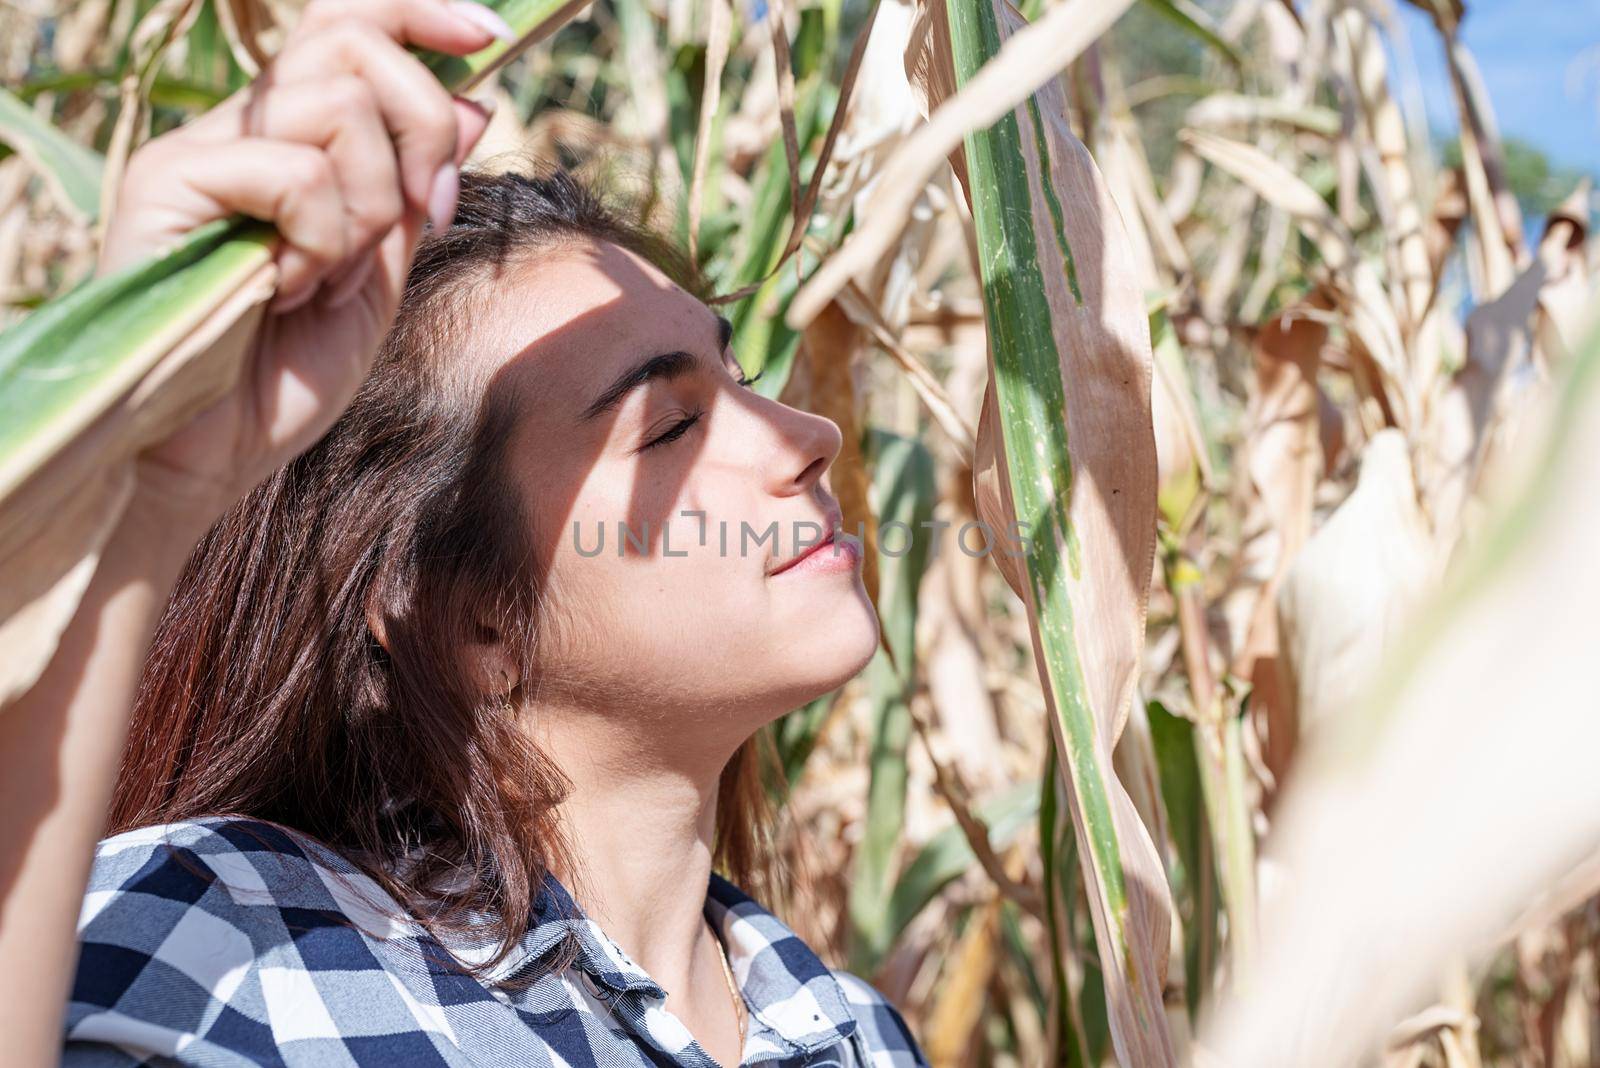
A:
[805,446]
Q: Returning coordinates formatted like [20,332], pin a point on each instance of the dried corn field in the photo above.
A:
[1278,749]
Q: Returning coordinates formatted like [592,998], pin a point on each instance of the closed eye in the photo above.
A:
[682,426]
[676,431]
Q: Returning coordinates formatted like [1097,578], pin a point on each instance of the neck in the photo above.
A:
[640,821]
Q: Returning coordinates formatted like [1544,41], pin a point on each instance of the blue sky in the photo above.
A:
[1541,62]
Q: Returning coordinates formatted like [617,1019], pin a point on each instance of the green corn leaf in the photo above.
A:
[165,91]
[73,363]
[1077,1010]
[1022,955]
[1193,878]
[762,338]
[795,735]
[947,855]
[1195,22]
[532,21]
[904,477]
[72,171]
[886,809]
[1066,448]
[74,356]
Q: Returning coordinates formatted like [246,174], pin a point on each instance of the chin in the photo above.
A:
[818,641]
[842,645]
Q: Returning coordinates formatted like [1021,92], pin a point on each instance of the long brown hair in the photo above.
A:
[266,694]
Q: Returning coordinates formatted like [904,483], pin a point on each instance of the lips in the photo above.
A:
[830,523]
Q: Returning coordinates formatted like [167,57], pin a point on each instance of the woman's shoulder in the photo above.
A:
[883,1028]
[207,935]
[795,993]
[883,1031]
[233,844]
[225,865]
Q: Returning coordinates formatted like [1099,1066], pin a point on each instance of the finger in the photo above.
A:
[341,117]
[343,286]
[472,119]
[415,106]
[457,27]
[289,185]
[416,109]
[307,380]
[392,262]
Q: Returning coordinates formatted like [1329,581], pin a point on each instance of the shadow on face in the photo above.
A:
[660,494]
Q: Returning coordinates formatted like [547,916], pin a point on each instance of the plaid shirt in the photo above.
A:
[224,941]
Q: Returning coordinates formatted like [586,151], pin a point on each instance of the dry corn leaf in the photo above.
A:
[253,32]
[1030,57]
[1468,421]
[1350,592]
[830,344]
[1400,848]
[1354,282]
[710,97]
[1284,458]
[1385,131]
[70,170]
[1567,297]
[1066,446]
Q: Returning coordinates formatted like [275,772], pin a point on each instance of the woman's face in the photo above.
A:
[632,420]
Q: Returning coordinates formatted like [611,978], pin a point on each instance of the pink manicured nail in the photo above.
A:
[442,196]
[484,18]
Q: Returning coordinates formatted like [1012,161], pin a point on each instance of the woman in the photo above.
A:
[391,764]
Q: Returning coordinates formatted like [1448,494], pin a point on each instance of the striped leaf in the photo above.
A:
[1066,448]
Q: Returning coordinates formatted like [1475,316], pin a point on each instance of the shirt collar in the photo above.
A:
[796,1006]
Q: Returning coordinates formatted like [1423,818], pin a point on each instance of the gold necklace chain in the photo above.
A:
[733,991]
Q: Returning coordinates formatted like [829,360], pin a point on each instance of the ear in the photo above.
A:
[497,671]
[375,624]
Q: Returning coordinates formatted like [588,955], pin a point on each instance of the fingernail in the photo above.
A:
[484,18]
[442,196]
[485,103]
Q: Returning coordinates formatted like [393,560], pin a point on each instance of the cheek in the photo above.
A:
[650,582]
[688,611]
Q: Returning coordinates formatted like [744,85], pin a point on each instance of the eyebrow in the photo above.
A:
[666,367]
